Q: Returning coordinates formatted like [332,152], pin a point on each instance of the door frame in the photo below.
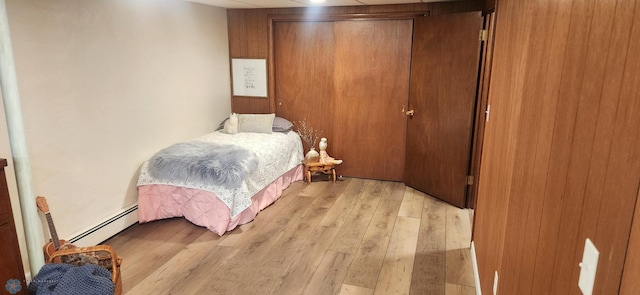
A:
[482,101]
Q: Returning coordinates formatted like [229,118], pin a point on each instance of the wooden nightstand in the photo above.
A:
[314,167]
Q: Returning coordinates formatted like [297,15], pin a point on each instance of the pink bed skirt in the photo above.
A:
[203,208]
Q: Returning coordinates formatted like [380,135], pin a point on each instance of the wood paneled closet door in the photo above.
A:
[304,54]
[349,79]
[372,66]
[444,73]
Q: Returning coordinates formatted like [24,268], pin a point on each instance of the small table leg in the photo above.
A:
[308,177]
[333,175]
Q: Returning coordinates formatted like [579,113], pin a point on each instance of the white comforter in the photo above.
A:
[277,153]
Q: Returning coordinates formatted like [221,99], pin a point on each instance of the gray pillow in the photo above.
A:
[281,125]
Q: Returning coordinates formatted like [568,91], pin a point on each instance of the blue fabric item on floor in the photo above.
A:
[66,279]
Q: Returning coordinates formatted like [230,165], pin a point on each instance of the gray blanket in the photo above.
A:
[66,279]
[202,162]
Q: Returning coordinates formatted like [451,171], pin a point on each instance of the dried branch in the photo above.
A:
[309,135]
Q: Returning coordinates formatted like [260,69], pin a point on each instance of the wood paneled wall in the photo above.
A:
[561,161]
[630,283]
[249,34]
[248,38]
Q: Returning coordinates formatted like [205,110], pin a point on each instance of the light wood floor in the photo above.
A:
[353,237]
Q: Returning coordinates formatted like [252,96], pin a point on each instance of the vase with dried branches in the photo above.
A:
[309,136]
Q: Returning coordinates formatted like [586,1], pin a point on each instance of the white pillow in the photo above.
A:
[257,123]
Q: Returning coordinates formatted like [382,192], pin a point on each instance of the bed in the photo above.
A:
[219,200]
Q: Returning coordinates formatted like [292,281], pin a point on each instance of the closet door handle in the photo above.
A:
[410,113]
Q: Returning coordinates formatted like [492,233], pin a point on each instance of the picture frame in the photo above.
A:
[249,77]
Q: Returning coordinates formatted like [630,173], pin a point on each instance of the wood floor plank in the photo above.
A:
[458,229]
[257,285]
[272,246]
[339,212]
[152,258]
[429,270]
[453,289]
[328,197]
[412,203]
[459,268]
[355,290]
[294,235]
[237,234]
[264,216]
[458,239]
[290,248]
[395,276]
[307,259]
[270,223]
[350,237]
[178,267]
[313,189]
[367,263]
[304,234]
[258,245]
[152,234]
[397,191]
[330,273]
[368,202]
[294,189]
[199,274]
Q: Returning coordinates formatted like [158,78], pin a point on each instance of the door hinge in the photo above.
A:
[469,179]
[487,113]
[483,35]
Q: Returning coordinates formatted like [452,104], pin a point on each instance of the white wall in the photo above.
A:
[104,84]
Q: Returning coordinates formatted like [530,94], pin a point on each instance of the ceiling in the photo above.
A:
[303,3]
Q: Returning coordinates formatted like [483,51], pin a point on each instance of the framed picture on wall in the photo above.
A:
[249,77]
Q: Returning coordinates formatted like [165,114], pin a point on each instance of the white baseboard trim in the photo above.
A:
[102,231]
[476,275]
